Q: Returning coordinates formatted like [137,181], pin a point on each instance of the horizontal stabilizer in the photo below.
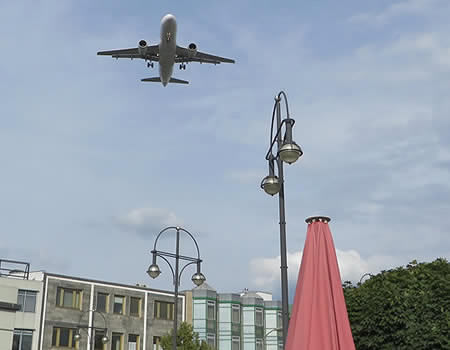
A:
[172,80]
[178,81]
[156,79]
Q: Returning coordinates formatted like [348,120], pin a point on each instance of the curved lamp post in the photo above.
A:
[153,271]
[272,330]
[366,274]
[91,329]
[286,151]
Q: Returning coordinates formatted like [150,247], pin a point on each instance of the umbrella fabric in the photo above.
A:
[319,319]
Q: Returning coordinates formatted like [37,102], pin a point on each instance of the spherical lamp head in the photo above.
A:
[105,339]
[153,271]
[77,336]
[271,185]
[198,278]
[289,152]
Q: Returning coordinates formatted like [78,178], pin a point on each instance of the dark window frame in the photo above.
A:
[167,306]
[26,296]
[106,295]
[56,339]
[122,312]
[77,298]
[19,334]
[139,302]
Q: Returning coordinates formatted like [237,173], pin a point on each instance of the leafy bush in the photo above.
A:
[404,308]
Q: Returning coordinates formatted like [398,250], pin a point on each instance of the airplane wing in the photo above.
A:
[185,55]
[150,53]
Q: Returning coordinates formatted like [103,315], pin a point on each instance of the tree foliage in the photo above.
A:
[187,339]
[404,308]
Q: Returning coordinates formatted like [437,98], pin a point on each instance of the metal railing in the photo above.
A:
[14,269]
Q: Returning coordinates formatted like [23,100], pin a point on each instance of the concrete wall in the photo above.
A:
[10,320]
[145,325]
[8,294]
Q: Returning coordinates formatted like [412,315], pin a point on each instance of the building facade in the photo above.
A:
[20,306]
[45,311]
[236,321]
[132,317]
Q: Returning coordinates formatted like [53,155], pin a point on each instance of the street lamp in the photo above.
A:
[92,329]
[366,274]
[287,151]
[272,330]
[153,271]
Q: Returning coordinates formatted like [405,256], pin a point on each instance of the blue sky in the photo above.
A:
[95,163]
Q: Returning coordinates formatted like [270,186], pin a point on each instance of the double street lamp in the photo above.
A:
[153,271]
[92,329]
[286,151]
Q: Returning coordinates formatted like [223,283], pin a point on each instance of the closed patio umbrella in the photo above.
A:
[319,319]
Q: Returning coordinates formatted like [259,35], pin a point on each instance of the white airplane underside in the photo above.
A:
[166,53]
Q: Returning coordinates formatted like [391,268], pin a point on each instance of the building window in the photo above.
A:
[211,340]
[235,313]
[70,298]
[164,310]
[119,305]
[117,341]
[156,343]
[259,344]
[22,339]
[259,317]
[63,337]
[235,343]
[135,306]
[211,310]
[133,342]
[98,344]
[27,300]
[102,302]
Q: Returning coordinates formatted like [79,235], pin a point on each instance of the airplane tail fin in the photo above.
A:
[172,80]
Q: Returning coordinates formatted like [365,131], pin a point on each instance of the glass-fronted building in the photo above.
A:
[236,321]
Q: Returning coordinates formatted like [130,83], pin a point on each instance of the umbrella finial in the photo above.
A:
[324,219]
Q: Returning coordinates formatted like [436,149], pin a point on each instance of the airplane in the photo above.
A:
[166,53]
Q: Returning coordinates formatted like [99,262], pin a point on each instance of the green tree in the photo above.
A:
[187,339]
[403,308]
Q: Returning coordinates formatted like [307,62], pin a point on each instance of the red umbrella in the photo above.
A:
[319,319]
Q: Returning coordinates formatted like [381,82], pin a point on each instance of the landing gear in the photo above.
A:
[149,64]
[183,66]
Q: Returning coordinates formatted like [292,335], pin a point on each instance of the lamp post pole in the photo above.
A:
[91,329]
[287,151]
[153,271]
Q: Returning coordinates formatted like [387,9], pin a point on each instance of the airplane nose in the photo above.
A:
[168,18]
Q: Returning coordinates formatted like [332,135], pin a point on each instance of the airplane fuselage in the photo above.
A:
[167,47]
[166,53]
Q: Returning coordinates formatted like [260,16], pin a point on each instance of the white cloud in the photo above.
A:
[408,7]
[265,272]
[148,220]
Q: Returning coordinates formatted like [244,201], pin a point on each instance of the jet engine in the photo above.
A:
[142,47]
[192,50]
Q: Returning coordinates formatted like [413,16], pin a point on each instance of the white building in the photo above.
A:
[20,306]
